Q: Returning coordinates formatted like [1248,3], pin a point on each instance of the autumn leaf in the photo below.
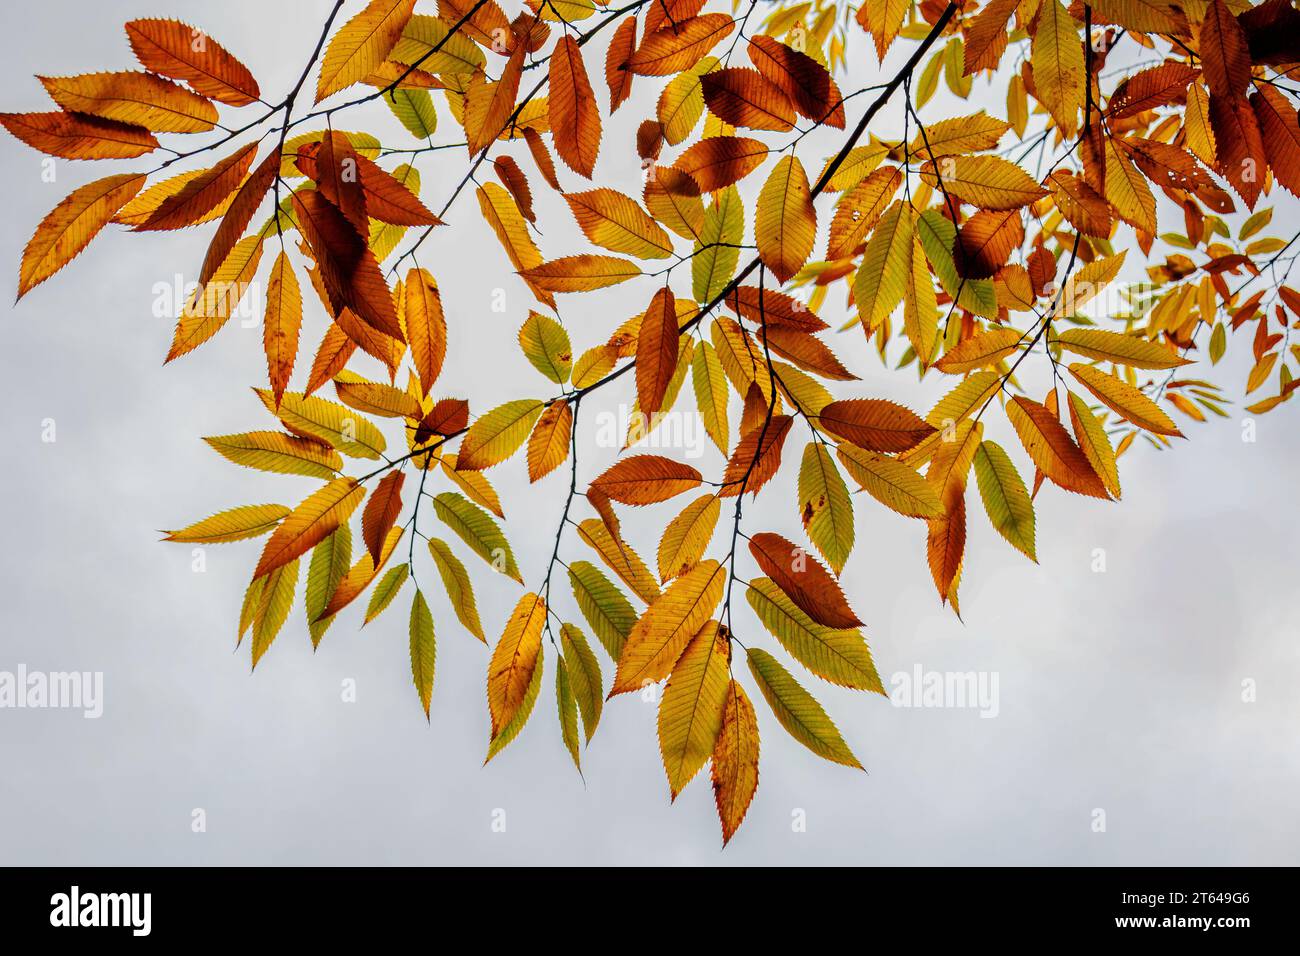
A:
[381,512]
[548,445]
[1052,450]
[616,222]
[73,136]
[281,324]
[140,99]
[581,273]
[797,711]
[744,97]
[182,52]
[667,626]
[678,47]
[423,651]
[690,713]
[362,44]
[646,479]
[1005,497]
[71,225]
[875,424]
[236,524]
[735,760]
[656,351]
[575,119]
[785,224]
[497,435]
[309,523]
[803,580]
[716,162]
[1125,400]
[514,660]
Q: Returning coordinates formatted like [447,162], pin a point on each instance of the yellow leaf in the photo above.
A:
[211,306]
[984,348]
[687,537]
[496,436]
[71,225]
[620,558]
[236,524]
[617,222]
[309,523]
[1058,63]
[478,531]
[280,453]
[882,278]
[514,659]
[1125,400]
[824,506]
[580,273]
[889,481]
[690,713]
[1090,432]
[1006,500]
[670,621]
[460,590]
[548,446]
[140,99]
[362,44]
[1121,349]
[423,651]
[735,760]
[785,220]
[988,182]
[328,421]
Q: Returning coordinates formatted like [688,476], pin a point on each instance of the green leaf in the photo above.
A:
[714,263]
[477,529]
[423,652]
[414,109]
[330,560]
[825,506]
[546,345]
[1005,497]
[839,656]
[584,676]
[609,613]
[937,235]
[568,708]
[459,588]
[385,591]
[797,711]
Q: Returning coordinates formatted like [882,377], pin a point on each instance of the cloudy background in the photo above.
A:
[1119,691]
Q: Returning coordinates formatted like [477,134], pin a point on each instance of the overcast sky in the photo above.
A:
[1118,691]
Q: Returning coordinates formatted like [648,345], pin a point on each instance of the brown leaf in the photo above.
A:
[238,214]
[347,266]
[426,327]
[875,424]
[716,162]
[805,81]
[1225,53]
[617,76]
[753,464]
[656,351]
[802,578]
[744,97]
[381,512]
[513,178]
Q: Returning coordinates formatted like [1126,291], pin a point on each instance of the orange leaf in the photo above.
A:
[752,465]
[548,445]
[72,224]
[186,53]
[575,117]
[310,523]
[1052,449]
[238,214]
[735,761]
[202,193]
[72,136]
[716,162]
[131,97]
[875,424]
[514,659]
[805,81]
[580,273]
[744,97]
[646,479]
[617,76]
[426,327]
[656,351]
[282,324]
[675,48]
[381,512]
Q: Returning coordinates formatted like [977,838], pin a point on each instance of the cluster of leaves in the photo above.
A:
[986,263]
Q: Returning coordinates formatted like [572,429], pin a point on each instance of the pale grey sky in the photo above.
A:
[1118,691]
